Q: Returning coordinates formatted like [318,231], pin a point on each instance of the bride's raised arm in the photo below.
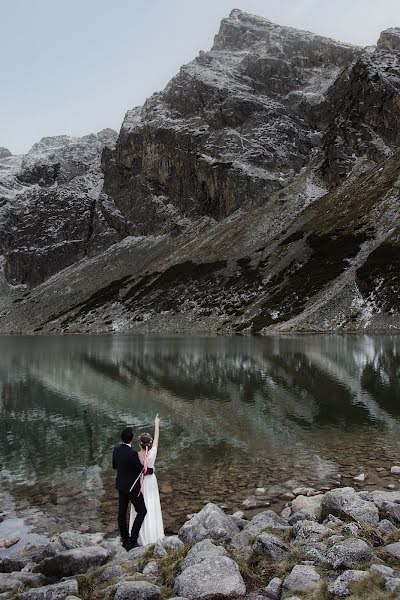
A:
[156,431]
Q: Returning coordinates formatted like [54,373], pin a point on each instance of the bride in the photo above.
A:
[152,528]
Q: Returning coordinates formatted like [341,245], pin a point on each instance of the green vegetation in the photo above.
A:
[169,565]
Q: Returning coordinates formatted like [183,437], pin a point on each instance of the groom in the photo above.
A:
[128,466]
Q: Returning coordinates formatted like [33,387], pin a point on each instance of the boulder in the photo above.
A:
[302,578]
[9,564]
[58,591]
[109,573]
[267,544]
[168,544]
[308,505]
[73,562]
[67,541]
[391,511]
[393,550]
[316,551]
[274,589]
[210,522]
[392,584]
[262,521]
[383,570]
[340,588]
[309,531]
[213,577]
[350,553]
[204,550]
[347,504]
[379,498]
[19,580]
[137,590]
[386,527]
[151,569]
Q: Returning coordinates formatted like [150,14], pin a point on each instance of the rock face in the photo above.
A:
[256,193]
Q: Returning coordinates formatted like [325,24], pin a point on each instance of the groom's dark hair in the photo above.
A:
[127,435]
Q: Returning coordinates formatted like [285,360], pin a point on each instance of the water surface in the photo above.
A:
[236,413]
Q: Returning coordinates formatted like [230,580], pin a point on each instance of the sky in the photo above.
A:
[76,66]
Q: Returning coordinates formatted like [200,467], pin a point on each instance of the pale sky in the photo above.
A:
[76,66]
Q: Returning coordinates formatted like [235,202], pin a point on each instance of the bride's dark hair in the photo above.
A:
[145,441]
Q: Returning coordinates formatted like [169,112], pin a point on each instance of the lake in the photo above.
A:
[236,413]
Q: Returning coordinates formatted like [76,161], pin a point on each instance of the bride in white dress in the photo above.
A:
[152,528]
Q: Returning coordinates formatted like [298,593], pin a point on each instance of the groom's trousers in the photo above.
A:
[141,511]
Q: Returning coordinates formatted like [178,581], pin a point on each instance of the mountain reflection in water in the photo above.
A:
[236,413]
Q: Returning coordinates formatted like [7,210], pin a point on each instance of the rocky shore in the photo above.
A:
[341,544]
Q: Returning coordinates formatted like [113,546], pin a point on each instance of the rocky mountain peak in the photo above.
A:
[4,152]
[390,39]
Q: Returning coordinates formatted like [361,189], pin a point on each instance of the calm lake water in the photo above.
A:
[236,413]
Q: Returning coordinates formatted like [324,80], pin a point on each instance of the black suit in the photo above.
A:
[126,462]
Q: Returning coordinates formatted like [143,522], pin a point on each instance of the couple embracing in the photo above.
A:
[137,484]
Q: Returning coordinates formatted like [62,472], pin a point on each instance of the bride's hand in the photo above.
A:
[157,420]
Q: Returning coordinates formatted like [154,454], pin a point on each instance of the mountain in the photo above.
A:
[257,193]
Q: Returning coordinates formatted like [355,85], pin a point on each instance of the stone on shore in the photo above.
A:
[340,588]
[274,589]
[68,540]
[208,572]
[168,544]
[395,470]
[308,505]
[18,580]
[137,590]
[302,578]
[264,520]
[73,562]
[267,544]
[393,550]
[210,522]
[350,553]
[9,564]
[380,497]
[391,510]
[58,591]
[309,531]
[346,503]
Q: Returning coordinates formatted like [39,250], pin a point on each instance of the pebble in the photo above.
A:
[395,470]
[360,477]
[286,512]
[260,491]
[391,486]
[8,542]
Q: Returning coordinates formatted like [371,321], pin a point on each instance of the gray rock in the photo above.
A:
[350,553]
[274,589]
[340,588]
[58,591]
[19,580]
[72,598]
[109,573]
[310,531]
[302,578]
[137,590]
[386,527]
[383,570]
[391,511]
[151,569]
[267,544]
[256,526]
[332,521]
[73,562]
[8,564]
[379,497]
[316,551]
[168,544]
[204,550]
[215,577]
[392,584]
[335,539]
[393,550]
[351,529]
[346,503]
[311,506]
[210,522]
[67,541]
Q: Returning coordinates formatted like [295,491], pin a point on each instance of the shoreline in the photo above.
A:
[323,545]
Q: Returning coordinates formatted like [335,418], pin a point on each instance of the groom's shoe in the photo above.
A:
[127,544]
[133,544]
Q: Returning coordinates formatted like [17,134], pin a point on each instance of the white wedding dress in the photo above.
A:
[152,528]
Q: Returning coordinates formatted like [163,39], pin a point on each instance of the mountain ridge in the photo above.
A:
[257,193]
